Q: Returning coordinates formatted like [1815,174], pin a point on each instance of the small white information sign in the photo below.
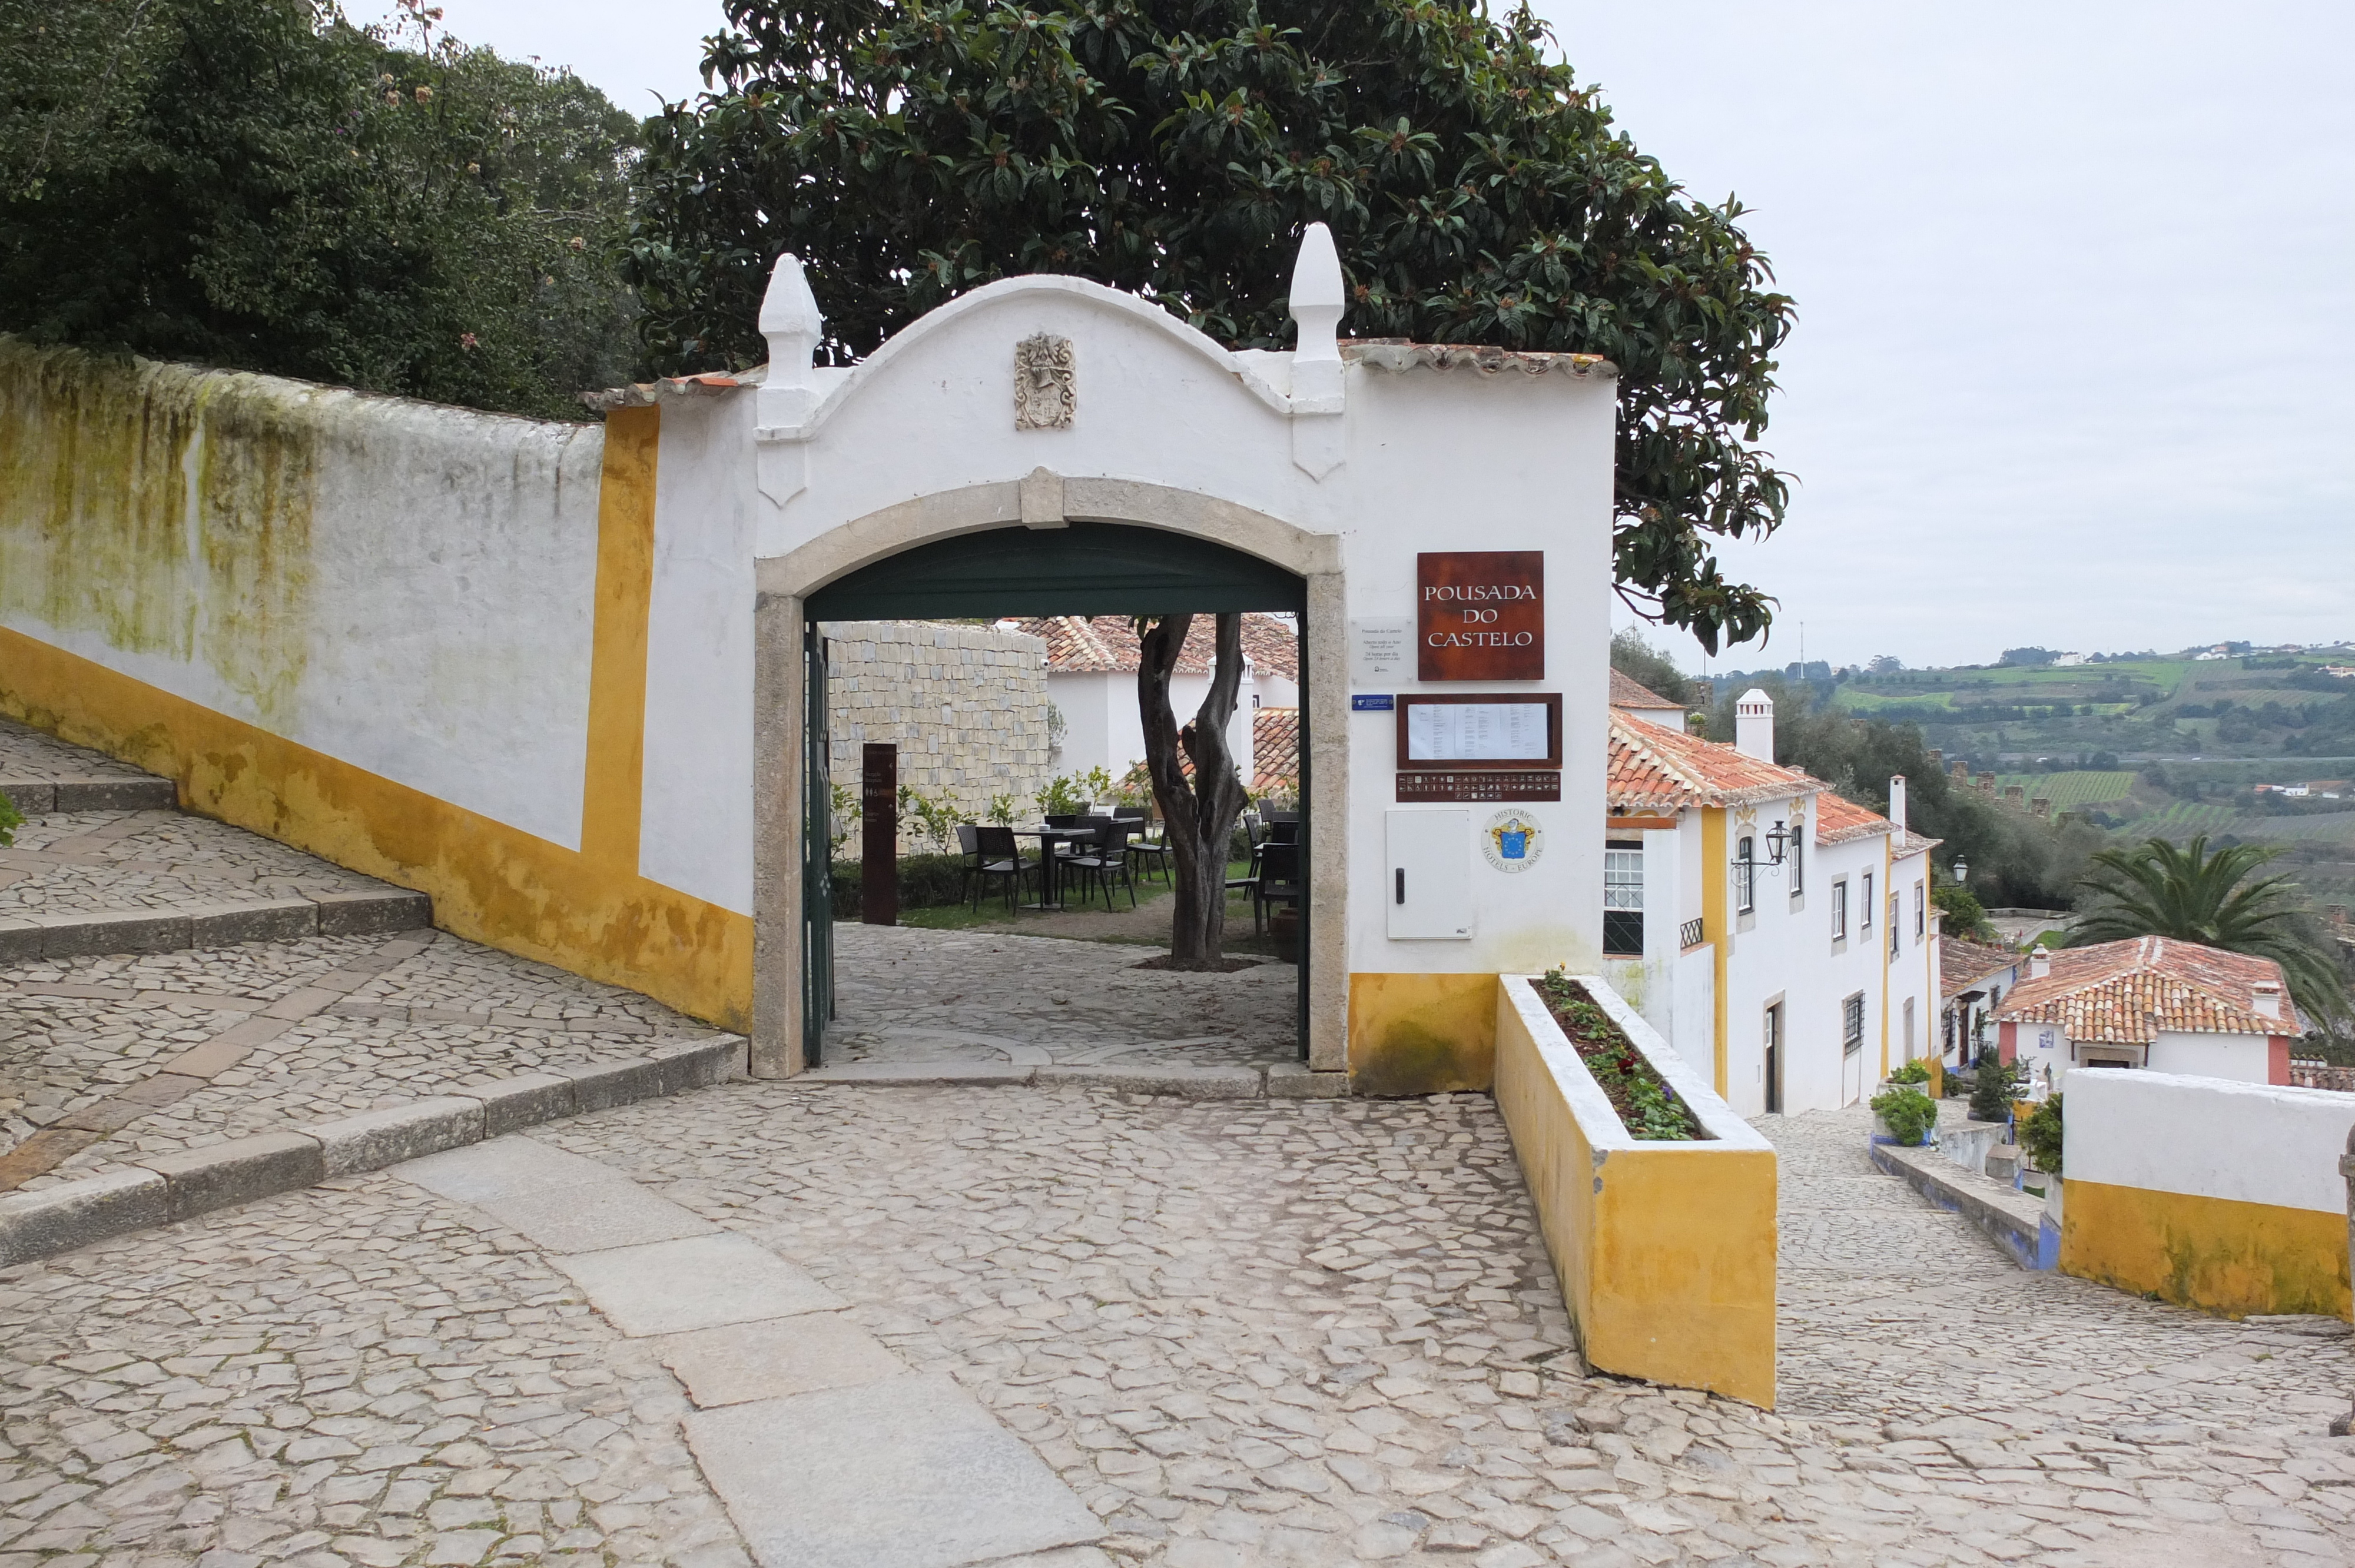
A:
[1381,651]
[1490,732]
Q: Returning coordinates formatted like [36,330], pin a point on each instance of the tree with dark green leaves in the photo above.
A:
[256,185]
[1177,149]
[2160,889]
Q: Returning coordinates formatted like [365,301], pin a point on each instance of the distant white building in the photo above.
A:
[1779,936]
[2154,1002]
[1092,664]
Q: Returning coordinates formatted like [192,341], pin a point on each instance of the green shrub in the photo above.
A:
[10,820]
[1998,1086]
[1908,1112]
[2040,1135]
[926,881]
[1914,1072]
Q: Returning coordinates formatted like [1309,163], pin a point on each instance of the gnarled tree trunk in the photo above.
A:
[1199,816]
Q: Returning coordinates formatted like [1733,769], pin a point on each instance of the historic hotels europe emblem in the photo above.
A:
[1512,842]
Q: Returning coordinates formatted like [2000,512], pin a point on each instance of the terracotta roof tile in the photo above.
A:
[1640,699]
[1962,963]
[1839,819]
[1653,769]
[2124,993]
[1275,751]
[1090,644]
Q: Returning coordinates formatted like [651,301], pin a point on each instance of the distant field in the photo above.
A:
[2070,790]
[2183,819]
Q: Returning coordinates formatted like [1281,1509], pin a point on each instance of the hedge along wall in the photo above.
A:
[406,638]
[1666,1250]
[2211,1193]
[967,706]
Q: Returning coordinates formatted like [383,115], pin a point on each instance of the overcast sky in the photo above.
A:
[2075,357]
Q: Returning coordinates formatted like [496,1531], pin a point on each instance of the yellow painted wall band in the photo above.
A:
[2216,1254]
[489,882]
[1422,1033]
[613,791]
[1713,905]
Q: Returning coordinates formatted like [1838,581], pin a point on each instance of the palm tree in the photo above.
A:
[2156,889]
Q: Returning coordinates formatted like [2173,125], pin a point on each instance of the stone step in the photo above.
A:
[39,796]
[23,940]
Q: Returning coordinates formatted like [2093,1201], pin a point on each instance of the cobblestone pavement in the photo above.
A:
[75,1031]
[1243,1331]
[81,862]
[906,995]
[27,752]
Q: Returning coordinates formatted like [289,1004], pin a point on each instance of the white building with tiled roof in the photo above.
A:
[1091,664]
[2150,1001]
[1779,935]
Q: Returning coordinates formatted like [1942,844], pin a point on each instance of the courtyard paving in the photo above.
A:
[1238,1332]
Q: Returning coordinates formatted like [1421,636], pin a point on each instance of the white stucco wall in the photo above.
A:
[2209,1137]
[400,585]
[696,830]
[1105,729]
[2244,1058]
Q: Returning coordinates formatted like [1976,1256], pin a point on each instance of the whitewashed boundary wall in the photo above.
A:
[2209,1191]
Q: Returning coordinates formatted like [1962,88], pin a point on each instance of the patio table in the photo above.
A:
[1051,880]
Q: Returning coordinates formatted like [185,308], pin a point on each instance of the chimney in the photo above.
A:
[1897,801]
[2040,963]
[2040,807]
[1753,725]
[2267,1002]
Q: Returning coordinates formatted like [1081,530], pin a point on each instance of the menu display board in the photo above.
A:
[1453,730]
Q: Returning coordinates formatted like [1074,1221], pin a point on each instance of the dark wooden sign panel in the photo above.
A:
[1483,785]
[1480,615]
[879,833]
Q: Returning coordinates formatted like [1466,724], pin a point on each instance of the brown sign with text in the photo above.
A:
[1480,615]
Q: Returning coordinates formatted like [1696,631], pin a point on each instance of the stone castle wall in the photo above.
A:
[966,706]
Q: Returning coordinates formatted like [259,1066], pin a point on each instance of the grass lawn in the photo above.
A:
[1146,926]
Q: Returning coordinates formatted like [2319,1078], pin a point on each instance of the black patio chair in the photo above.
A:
[1143,851]
[995,854]
[1279,882]
[1104,863]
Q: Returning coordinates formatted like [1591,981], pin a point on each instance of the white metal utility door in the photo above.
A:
[1428,888]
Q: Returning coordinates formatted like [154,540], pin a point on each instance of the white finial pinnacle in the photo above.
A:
[1317,296]
[791,322]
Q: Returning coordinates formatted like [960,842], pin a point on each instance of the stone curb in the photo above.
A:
[2016,1234]
[359,913]
[168,1187]
[39,796]
[1287,1080]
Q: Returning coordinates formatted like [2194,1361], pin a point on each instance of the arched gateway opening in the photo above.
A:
[1082,568]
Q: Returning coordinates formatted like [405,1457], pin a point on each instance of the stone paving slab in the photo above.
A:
[27,752]
[88,861]
[738,1363]
[694,1282]
[907,1473]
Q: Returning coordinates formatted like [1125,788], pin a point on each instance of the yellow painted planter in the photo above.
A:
[1664,1250]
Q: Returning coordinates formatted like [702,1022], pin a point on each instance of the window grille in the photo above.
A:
[1852,1024]
[1622,900]
[1745,876]
[1691,933]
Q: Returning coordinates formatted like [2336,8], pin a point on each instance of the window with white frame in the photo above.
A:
[1745,876]
[1894,926]
[1798,854]
[1921,912]
[1864,907]
[1840,910]
[1852,1024]
[1622,898]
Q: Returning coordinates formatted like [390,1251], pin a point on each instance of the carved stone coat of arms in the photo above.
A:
[1044,396]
